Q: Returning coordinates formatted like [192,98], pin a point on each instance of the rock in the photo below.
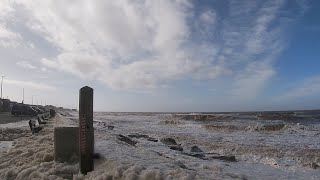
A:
[176,147]
[110,127]
[180,164]
[231,158]
[127,140]
[96,156]
[47,157]
[37,129]
[152,139]
[314,165]
[168,141]
[195,149]
[197,155]
[52,113]
[138,136]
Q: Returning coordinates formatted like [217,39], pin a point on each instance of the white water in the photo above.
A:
[254,150]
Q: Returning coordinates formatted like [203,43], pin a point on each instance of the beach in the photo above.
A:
[172,146]
[30,156]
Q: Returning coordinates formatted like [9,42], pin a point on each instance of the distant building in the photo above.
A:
[6,105]
[1,105]
[12,103]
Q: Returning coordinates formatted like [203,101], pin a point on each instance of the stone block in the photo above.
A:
[66,144]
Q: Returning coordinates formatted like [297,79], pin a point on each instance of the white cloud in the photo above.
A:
[26,65]
[145,44]
[125,44]
[8,38]
[29,84]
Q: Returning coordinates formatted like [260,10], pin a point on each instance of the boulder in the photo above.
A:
[176,147]
[314,165]
[168,141]
[138,136]
[110,127]
[230,158]
[195,149]
[152,139]
[127,140]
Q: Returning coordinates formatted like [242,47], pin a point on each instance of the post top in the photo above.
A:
[86,88]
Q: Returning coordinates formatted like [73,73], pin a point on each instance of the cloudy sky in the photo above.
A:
[163,55]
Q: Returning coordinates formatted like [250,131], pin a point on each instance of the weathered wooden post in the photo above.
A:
[86,135]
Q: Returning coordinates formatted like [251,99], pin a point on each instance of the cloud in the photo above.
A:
[128,44]
[26,65]
[146,44]
[8,38]
[29,84]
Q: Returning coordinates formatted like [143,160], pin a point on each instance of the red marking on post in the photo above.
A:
[86,135]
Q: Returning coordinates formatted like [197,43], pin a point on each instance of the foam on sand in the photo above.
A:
[31,156]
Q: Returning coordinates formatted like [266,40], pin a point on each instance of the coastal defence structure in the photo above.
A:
[77,143]
[66,144]
[86,135]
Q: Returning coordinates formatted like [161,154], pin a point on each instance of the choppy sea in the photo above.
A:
[265,145]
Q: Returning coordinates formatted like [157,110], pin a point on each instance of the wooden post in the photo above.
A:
[86,135]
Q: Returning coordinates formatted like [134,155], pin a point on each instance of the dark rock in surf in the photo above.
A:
[231,158]
[180,164]
[37,129]
[127,140]
[197,155]
[110,127]
[138,136]
[314,165]
[169,141]
[152,139]
[195,149]
[176,147]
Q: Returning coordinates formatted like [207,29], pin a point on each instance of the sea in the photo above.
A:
[238,145]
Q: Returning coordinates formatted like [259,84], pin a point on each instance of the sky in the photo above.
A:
[168,55]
